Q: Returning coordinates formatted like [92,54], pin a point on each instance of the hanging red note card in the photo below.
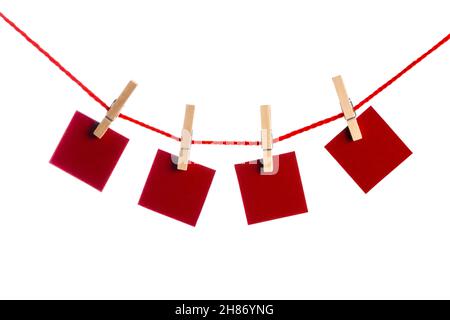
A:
[86,157]
[175,193]
[269,196]
[371,159]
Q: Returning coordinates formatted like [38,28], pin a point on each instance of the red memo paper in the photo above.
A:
[271,196]
[86,157]
[370,160]
[174,193]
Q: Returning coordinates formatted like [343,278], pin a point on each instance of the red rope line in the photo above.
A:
[211,142]
[371,96]
[78,82]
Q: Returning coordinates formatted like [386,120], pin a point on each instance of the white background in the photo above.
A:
[59,238]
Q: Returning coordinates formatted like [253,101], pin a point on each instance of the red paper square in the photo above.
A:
[177,194]
[86,157]
[370,160]
[274,196]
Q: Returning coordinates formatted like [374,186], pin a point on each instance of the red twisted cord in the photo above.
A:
[210,142]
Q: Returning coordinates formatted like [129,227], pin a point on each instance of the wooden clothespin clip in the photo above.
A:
[266,139]
[347,108]
[115,110]
[186,138]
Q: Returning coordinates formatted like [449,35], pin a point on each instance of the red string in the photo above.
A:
[78,82]
[210,142]
[371,96]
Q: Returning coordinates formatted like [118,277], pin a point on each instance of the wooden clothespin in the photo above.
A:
[115,110]
[266,139]
[186,138]
[347,108]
